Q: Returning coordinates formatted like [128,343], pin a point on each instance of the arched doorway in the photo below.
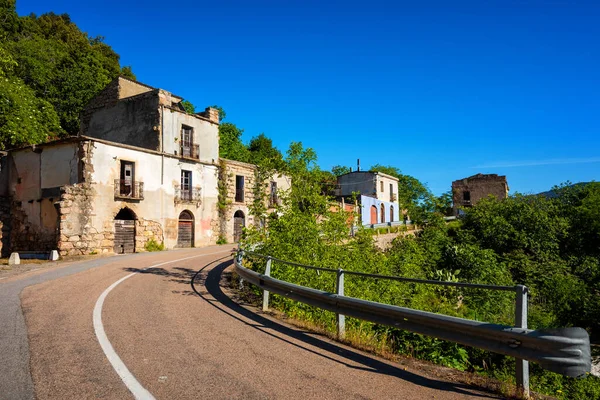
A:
[185,229]
[382,213]
[391,213]
[125,231]
[239,221]
[373,215]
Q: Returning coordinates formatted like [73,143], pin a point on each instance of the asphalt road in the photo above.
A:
[179,340]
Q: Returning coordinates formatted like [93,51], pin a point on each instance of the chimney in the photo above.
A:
[212,114]
[358,165]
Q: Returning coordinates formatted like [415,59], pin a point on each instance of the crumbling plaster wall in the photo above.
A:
[206,134]
[34,180]
[158,208]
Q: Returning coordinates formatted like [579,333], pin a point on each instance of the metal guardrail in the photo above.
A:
[565,351]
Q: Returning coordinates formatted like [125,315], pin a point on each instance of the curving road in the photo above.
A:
[177,331]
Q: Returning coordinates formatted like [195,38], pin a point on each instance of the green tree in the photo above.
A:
[62,65]
[188,107]
[338,170]
[24,118]
[262,152]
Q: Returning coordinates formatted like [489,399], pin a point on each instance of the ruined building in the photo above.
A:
[468,191]
[140,169]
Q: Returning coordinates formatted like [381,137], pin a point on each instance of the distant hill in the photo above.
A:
[550,194]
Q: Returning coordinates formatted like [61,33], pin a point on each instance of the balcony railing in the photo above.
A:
[126,189]
[187,195]
[190,151]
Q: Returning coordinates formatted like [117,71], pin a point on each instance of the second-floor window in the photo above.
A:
[381,186]
[239,188]
[392,192]
[186,185]
[188,148]
[467,196]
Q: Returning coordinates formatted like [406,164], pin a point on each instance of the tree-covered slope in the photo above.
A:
[49,70]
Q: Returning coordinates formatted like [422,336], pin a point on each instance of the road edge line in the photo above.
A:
[134,386]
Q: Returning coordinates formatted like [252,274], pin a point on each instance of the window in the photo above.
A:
[467,196]
[239,188]
[187,135]
[392,192]
[186,185]
[187,142]
[273,198]
[381,186]
[127,178]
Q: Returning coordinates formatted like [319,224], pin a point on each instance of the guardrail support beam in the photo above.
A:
[266,292]
[341,319]
[522,366]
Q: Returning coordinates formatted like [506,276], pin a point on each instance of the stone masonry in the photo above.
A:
[468,191]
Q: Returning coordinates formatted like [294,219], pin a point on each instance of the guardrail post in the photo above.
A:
[522,366]
[266,292]
[341,319]
[239,256]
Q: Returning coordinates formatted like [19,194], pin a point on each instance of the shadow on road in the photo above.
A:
[205,282]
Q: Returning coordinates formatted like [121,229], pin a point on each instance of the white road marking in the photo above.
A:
[136,388]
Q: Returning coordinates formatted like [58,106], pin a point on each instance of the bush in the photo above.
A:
[153,245]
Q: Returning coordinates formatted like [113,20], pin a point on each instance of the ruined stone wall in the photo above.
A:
[119,88]
[4,226]
[134,121]
[233,169]
[479,186]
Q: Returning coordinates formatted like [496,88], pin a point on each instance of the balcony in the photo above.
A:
[190,151]
[126,189]
[187,195]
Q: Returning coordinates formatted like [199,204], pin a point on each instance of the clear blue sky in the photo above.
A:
[442,90]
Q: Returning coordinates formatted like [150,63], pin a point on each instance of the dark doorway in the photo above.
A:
[125,231]
[185,231]
[382,213]
[239,221]
[391,213]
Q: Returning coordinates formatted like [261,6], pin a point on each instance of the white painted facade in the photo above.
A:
[159,174]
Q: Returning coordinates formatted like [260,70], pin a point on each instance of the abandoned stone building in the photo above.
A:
[468,191]
[140,169]
[378,199]
[240,180]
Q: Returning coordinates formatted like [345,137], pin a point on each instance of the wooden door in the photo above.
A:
[185,230]
[238,223]
[184,235]
[124,236]
[373,215]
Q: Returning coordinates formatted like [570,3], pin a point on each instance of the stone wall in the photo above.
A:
[25,236]
[133,121]
[146,230]
[4,226]
[478,187]
[233,169]
[76,234]
[119,88]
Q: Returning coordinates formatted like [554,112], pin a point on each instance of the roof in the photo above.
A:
[370,172]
